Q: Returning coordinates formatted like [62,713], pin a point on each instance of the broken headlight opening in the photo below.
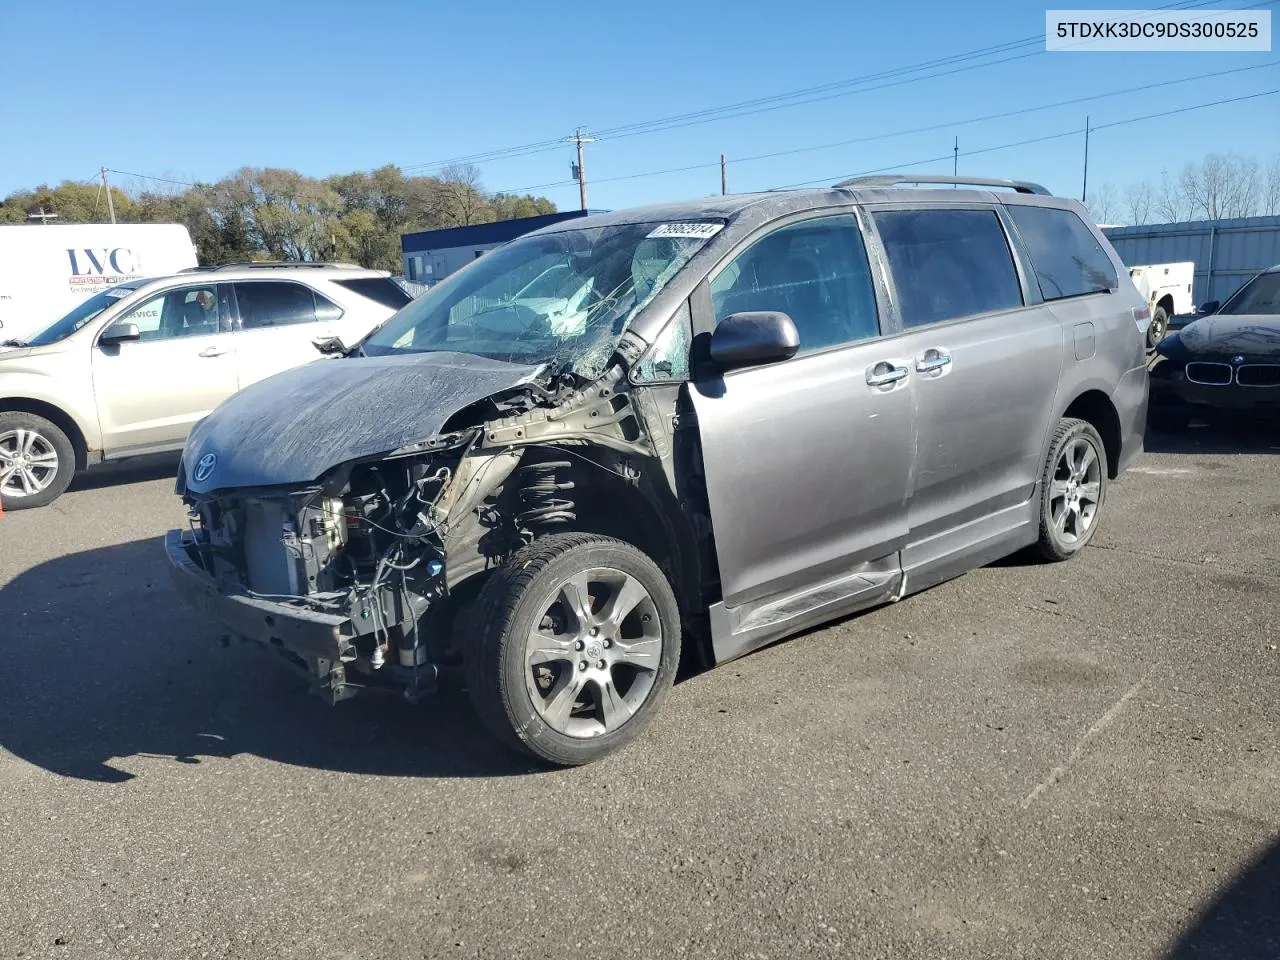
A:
[367,544]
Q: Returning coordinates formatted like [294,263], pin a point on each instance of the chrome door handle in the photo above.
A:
[212,352]
[884,374]
[933,361]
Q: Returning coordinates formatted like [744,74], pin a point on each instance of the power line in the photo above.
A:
[143,176]
[808,94]
[625,129]
[1022,111]
[1052,136]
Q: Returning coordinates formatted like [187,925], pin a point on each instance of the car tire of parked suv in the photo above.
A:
[575,643]
[1158,327]
[1073,489]
[37,461]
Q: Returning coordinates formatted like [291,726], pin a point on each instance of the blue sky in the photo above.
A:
[193,91]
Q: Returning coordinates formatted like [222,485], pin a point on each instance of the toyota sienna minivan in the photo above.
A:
[708,426]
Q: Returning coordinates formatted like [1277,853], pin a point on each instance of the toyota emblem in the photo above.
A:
[204,468]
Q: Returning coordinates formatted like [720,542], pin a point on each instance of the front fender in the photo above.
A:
[68,395]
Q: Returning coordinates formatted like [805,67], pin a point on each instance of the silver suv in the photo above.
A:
[128,371]
[716,423]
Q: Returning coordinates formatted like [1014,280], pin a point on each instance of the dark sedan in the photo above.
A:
[1226,362]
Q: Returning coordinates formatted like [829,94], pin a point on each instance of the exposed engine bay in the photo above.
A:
[392,547]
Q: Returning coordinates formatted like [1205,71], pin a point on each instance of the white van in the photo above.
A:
[45,270]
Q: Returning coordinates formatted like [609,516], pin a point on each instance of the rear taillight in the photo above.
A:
[1142,317]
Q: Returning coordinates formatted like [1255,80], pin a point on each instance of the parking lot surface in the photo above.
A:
[1072,760]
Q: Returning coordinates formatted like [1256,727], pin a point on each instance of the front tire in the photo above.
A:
[576,644]
[1073,489]
[37,461]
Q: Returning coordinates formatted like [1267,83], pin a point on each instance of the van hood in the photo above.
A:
[293,427]
[1255,337]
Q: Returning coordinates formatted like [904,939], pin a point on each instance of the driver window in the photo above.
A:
[816,272]
[186,312]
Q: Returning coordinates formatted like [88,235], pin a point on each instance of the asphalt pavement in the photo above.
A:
[1060,761]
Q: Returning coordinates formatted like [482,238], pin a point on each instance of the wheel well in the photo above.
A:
[54,415]
[644,514]
[1095,407]
[1167,302]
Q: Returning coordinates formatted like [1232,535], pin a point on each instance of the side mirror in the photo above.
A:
[753,339]
[119,333]
[1210,307]
[330,346]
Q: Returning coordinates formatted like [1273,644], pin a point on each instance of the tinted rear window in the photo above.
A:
[1068,260]
[380,289]
[948,264]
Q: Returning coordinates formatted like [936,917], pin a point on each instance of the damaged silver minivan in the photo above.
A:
[688,429]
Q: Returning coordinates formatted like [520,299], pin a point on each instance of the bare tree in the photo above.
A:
[1138,201]
[1171,203]
[1104,204]
[462,196]
[1221,186]
[1269,205]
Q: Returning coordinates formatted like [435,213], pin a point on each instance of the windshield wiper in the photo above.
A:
[14,342]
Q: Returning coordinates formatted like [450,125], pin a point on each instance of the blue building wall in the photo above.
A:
[1226,252]
[431,255]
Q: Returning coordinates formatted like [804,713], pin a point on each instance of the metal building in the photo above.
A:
[431,255]
[1226,252]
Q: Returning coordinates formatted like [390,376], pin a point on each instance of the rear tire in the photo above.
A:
[37,461]
[1073,489]
[576,642]
[1158,327]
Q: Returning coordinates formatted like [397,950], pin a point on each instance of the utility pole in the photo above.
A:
[1084,189]
[43,217]
[579,169]
[106,184]
[724,182]
[955,160]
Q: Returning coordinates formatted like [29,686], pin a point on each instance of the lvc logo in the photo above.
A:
[121,260]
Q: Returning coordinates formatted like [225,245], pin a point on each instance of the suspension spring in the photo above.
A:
[544,498]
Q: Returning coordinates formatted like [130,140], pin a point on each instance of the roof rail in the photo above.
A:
[894,179]
[272,265]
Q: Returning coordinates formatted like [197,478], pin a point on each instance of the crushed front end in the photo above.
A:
[339,576]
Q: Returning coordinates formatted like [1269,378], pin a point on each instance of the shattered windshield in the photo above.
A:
[563,298]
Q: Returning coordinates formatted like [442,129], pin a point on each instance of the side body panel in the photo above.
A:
[150,393]
[1116,366]
[982,419]
[807,469]
[266,350]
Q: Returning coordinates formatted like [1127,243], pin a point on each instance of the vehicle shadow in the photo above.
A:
[108,664]
[1210,437]
[159,466]
[1243,923]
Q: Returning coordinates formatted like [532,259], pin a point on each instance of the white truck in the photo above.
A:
[1167,287]
[47,269]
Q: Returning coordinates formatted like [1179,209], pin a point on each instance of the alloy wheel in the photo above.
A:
[1075,490]
[594,655]
[28,463]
